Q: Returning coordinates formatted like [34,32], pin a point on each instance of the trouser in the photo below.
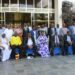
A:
[29,52]
[73,36]
[74,49]
[0,54]
[15,51]
[65,50]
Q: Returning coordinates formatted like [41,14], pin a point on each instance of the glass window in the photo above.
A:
[26,18]
[39,19]
[38,3]
[13,1]
[9,17]
[44,3]
[53,4]
[5,3]
[1,16]
[1,22]
[50,3]
[29,3]
[0,3]
[51,18]
[22,3]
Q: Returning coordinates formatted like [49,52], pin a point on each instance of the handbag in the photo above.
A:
[56,51]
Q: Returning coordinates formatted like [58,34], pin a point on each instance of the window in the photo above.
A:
[9,17]
[0,3]
[44,3]
[50,3]
[38,3]
[22,3]
[53,4]
[51,18]
[13,1]
[29,3]
[39,19]
[1,18]
[5,3]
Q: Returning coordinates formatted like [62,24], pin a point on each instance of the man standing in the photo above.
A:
[8,32]
[73,36]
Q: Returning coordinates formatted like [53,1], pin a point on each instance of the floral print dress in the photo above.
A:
[42,44]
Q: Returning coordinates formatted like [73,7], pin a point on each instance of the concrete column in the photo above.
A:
[58,12]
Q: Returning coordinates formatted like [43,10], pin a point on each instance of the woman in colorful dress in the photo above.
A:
[42,44]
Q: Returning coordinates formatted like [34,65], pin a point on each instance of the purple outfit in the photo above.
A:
[42,44]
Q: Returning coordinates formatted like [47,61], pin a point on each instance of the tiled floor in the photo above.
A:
[59,65]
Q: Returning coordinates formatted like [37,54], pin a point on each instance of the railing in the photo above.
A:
[5,9]
[24,9]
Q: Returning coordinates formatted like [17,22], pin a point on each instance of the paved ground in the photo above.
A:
[60,65]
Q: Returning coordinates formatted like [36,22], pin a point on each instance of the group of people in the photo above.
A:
[17,41]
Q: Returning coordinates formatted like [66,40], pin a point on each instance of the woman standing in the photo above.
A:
[8,32]
[42,44]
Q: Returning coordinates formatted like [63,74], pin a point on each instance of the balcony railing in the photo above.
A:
[17,8]
[5,9]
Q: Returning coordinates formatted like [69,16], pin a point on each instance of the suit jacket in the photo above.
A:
[66,43]
[26,40]
[53,41]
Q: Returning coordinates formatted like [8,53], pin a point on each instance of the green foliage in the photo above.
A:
[67,12]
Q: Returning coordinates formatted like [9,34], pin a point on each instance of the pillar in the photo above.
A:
[58,12]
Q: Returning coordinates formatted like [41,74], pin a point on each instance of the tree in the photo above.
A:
[67,12]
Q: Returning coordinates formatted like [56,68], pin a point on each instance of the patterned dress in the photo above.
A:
[42,44]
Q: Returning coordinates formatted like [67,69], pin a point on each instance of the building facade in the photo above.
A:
[31,11]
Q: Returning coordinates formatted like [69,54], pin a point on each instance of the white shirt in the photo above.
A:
[30,28]
[64,31]
[30,42]
[53,31]
[46,29]
[58,31]
[57,39]
[68,39]
[73,29]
